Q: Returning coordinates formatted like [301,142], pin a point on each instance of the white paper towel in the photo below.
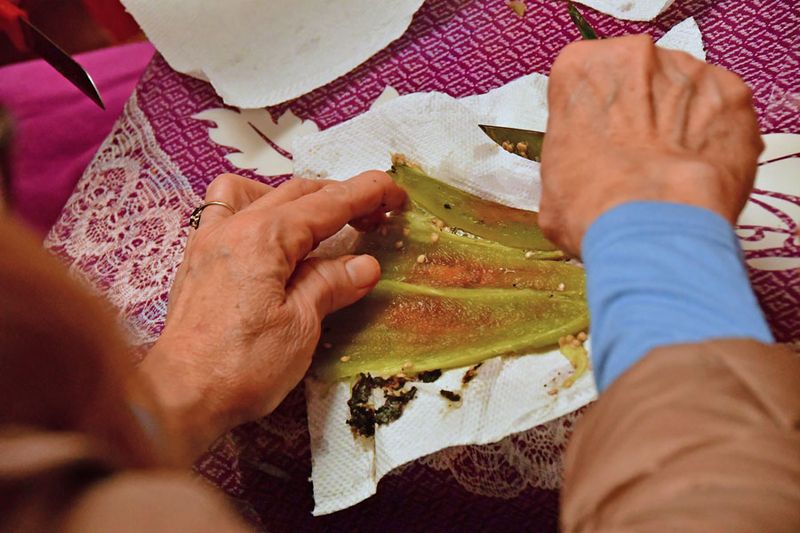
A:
[629,9]
[510,394]
[257,54]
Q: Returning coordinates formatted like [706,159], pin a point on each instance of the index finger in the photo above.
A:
[316,216]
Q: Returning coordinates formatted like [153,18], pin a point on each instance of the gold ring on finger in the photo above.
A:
[194,219]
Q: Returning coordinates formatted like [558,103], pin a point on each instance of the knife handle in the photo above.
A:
[9,23]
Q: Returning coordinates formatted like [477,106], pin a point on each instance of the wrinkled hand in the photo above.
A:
[630,121]
[246,305]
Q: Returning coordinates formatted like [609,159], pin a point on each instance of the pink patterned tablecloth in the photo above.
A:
[124,228]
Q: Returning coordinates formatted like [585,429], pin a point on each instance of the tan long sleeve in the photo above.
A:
[61,481]
[701,437]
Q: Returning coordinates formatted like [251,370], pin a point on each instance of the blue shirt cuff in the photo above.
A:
[661,273]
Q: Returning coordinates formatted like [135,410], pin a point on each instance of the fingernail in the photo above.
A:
[363,271]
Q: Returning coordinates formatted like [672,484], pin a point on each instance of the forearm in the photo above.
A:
[699,437]
[659,274]
[683,436]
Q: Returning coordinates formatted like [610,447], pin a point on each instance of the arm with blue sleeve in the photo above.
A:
[697,425]
[660,274]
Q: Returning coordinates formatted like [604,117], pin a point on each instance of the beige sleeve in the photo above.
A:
[152,502]
[60,481]
[701,437]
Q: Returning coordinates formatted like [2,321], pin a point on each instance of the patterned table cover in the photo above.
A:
[124,228]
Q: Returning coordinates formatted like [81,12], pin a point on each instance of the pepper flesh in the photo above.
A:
[579,359]
[459,209]
[457,261]
[450,298]
[432,328]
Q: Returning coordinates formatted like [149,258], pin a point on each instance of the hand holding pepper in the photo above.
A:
[247,304]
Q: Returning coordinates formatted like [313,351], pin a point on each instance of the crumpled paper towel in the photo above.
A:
[509,394]
[258,54]
[629,9]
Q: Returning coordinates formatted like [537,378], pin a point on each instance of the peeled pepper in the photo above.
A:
[463,279]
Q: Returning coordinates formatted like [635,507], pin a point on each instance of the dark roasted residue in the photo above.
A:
[394,405]
[430,376]
[391,383]
[364,415]
[362,388]
[450,395]
[470,374]
[362,420]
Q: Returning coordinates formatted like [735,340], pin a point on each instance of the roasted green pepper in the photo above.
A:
[411,248]
[469,213]
[463,279]
[402,327]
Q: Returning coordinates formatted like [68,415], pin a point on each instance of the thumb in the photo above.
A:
[330,284]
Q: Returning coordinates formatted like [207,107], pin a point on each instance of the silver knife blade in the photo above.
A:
[42,46]
[528,143]
[524,143]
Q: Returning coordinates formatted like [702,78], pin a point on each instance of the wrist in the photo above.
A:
[659,179]
[662,273]
[186,414]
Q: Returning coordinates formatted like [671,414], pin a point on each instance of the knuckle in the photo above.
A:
[302,184]
[341,189]
[546,220]
[222,183]
[689,67]
[569,61]
[272,229]
[644,50]
[696,71]
[290,235]
[288,184]
[643,42]
[732,85]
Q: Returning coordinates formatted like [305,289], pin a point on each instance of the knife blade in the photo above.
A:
[524,143]
[528,143]
[42,46]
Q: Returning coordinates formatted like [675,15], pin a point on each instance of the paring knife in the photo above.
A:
[27,37]
[524,143]
[528,143]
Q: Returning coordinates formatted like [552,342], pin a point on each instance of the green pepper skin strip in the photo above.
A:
[585,29]
[433,328]
[449,260]
[459,209]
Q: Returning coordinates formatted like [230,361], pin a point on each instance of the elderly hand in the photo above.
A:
[630,121]
[246,306]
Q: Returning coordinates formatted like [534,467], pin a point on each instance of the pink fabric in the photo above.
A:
[58,129]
